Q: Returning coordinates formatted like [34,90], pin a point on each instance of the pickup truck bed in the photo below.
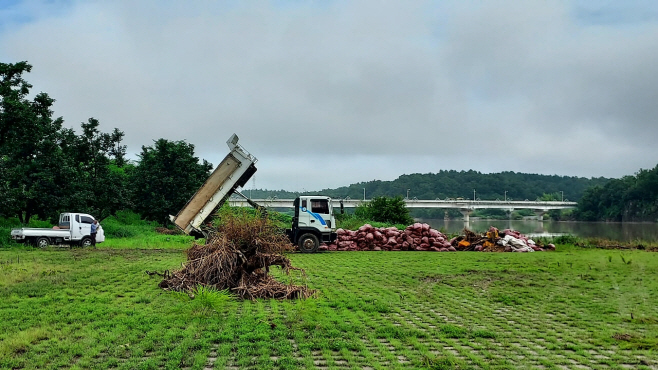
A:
[35,232]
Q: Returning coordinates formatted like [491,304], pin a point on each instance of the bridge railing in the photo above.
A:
[426,203]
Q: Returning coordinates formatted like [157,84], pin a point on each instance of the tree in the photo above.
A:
[166,176]
[34,172]
[385,209]
[103,187]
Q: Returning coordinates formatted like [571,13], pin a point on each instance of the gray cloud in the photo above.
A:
[335,93]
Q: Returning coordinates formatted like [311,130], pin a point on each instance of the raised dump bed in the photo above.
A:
[234,171]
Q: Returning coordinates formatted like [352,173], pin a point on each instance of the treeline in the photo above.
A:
[460,184]
[46,168]
[631,198]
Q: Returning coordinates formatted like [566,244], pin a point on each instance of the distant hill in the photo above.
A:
[459,184]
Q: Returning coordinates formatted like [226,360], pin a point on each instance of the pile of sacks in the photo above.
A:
[421,237]
[416,237]
[514,241]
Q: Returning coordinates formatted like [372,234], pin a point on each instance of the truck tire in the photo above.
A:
[42,242]
[308,243]
[85,242]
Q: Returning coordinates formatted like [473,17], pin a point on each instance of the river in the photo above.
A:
[620,231]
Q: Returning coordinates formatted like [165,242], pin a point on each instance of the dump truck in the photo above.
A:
[313,221]
[73,229]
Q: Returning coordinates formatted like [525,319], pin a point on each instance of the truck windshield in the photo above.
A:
[320,206]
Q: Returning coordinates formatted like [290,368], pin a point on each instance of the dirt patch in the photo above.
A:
[165,231]
[623,336]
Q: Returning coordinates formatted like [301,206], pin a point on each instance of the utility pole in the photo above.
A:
[364,193]
[474,195]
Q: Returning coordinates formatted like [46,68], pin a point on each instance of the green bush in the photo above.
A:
[565,239]
[350,221]
[385,209]
[127,224]
[281,220]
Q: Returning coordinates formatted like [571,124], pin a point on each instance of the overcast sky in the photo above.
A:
[330,93]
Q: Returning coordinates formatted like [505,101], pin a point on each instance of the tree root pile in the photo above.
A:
[237,256]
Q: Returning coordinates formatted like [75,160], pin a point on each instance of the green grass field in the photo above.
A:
[570,309]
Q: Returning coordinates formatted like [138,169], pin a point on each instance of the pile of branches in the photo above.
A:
[237,256]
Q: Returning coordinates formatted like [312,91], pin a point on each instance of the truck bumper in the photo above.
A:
[329,237]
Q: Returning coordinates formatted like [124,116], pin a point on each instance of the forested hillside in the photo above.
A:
[461,184]
[631,198]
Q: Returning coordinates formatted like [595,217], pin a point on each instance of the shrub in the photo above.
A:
[385,209]
[565,239]
[126,224]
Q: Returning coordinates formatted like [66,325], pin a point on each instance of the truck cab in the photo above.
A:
[79,225]
[313,222]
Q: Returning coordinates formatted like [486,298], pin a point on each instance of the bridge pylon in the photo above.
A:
[509,211]
[466,212]
[540,213]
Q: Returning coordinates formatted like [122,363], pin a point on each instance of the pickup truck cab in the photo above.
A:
[73,229]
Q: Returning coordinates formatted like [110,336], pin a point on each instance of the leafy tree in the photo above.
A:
[385,209]
[35,172]
[103,185]
[166,176]
[551,197]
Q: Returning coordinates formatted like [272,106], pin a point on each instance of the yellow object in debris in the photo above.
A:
[464,243]
[487,244]
[492,235]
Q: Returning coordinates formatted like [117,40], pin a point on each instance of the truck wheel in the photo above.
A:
[85,242]
[308,243]
[42,242]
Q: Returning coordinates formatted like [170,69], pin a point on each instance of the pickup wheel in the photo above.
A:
[42,242]
[308,243]
[85,242]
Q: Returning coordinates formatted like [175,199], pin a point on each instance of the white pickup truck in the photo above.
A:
[73,229]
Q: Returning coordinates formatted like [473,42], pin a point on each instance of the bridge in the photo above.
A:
[466,207]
